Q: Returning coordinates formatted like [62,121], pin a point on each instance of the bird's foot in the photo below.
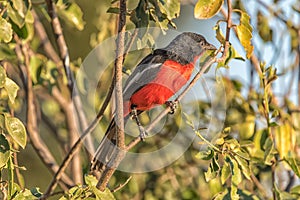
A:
[173,106]
[143,133]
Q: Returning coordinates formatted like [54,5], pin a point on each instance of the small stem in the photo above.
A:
[208,142]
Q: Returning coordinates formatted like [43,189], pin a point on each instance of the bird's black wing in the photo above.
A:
[145,72]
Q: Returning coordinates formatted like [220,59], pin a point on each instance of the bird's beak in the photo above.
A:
[211,47]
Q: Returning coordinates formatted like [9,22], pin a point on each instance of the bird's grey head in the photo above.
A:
[188,45]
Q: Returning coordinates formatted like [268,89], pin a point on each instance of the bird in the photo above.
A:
[153,82]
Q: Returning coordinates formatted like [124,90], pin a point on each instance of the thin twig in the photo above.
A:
[121,185]
[60,40]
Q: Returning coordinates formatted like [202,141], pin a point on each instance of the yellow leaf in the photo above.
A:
[205,9]
[244,33]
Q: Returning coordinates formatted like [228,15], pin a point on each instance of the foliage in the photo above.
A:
[255,156]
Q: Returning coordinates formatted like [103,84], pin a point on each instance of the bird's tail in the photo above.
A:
[106,153]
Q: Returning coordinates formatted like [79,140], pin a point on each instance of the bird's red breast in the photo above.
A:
[170,78]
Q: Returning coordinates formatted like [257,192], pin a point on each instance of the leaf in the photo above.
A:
[205,9]
[245,167]
[205,155]
[71,13]
[6,52]
[90,180]
[105,195]
[269,151]
[11,88]
[114,10]
[236,172]
[172,8]
[5,31]
[286,139]
[231,54]
[17,16]
[225,173]
[2,77]
[219,35]
[281,194]
[4,151]
[210,174]
[16,129]
[296,190]
[140,16]
[264,30]
[293,164]
[36,67]
[247,128]
[244,32]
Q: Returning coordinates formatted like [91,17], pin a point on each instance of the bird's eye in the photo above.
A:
[202,43]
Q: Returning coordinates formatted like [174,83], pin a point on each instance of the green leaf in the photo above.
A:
[36,192]
[11,88]
[205,9]
[264,30]
[205,155]
[293,164]
[247,128]
[2,77]
[28,194]
[4,151]
[244,165]
[16,129]
[225,173]
[219,35]
[285,137]
[172,8]
[296,190]
[17,11]
[5,31]
[231,54]
[236,173]
[20,6]
[281,194]
[210,174]
[71,13]
[114,10]
[140,16]
[269,151]
[244,32]
[90,180]
[6,52]
[36,67]
[105,195]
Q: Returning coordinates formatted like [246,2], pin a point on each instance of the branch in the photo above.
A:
[64,55]
[78,144]
[119,116]
[61,43]
[32,126]
[276,14]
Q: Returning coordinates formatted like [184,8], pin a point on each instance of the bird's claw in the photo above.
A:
[172,105]
[143,133]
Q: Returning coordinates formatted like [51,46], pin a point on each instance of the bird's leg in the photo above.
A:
[141,128]
[173,106]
